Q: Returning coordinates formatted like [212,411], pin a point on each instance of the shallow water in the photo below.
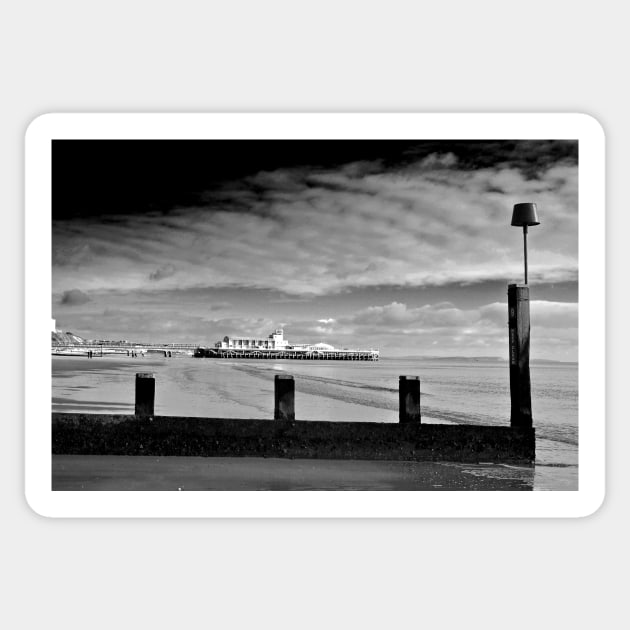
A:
[114,472]
[462,391]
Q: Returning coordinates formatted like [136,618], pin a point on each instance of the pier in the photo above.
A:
[275,346]
[124,349]
[296,354]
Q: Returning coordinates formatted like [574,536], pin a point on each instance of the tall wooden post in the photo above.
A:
[520,384]
[145,394]
[409,399]
[284,394]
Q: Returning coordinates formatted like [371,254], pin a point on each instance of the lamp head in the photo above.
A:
[525,214]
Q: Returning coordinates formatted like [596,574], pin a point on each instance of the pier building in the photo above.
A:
[275,341]
[275,346]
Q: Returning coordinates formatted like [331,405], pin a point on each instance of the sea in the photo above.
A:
[453,390]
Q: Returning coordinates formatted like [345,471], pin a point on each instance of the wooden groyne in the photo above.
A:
[284,436]
[95,434]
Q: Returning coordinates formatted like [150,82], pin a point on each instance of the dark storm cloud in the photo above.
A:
[531,157]
[115,219]
[118,177]
[74,297]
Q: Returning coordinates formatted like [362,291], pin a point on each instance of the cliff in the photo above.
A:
[60,338]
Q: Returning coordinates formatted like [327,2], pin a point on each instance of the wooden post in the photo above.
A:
[520,384]
[409,399]
[284,408]
[145,394]
[525,250]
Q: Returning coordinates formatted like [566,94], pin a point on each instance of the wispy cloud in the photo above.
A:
[321,232]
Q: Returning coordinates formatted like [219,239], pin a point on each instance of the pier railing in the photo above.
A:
[124,349]
[296,354]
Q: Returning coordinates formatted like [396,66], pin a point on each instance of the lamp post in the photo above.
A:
[525,214]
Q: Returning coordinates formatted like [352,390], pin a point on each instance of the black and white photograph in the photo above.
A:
[315,314]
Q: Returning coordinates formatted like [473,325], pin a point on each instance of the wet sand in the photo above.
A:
[115,472]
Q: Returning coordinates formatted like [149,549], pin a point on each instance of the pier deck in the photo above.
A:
[306,355]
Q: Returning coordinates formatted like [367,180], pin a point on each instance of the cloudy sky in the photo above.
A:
[405,246]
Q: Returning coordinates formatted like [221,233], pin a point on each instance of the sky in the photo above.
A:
[404,246]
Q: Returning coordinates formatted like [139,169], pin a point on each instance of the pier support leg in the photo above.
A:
[409,399]
[520,384]
[284,408]
[145,394]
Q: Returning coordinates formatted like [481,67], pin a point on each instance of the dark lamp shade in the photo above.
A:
[525,214]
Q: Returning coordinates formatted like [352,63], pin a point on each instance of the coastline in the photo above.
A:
[359,392]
